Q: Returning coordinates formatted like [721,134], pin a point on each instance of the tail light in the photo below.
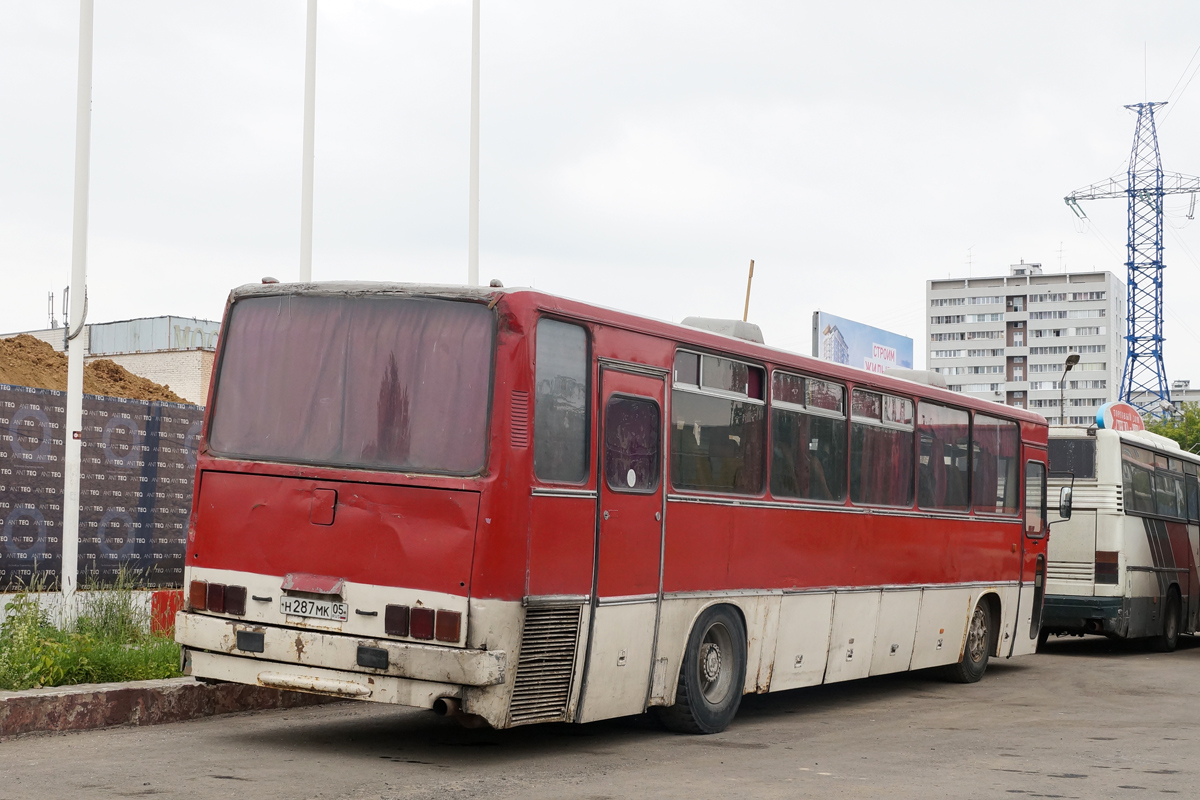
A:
[395,620]
[421,623]
[198,595]
[205,596]
[448,625]
[1106,566]
[235,600]
[216,597]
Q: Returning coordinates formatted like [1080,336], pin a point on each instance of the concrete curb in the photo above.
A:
[101,705]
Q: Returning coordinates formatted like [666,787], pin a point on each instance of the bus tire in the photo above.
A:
[1166,641]
[973,664]
[712,676]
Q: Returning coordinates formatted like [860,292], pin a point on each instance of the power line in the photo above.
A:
[1167,115]
[1185,70]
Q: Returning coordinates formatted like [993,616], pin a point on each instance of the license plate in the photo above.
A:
[320,609]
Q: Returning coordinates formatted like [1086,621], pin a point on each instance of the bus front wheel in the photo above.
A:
[973,664]
[1166,641]
[712,676]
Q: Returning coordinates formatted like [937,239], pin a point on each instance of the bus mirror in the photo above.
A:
[1064,503]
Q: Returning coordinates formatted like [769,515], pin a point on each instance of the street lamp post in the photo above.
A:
[1072,360]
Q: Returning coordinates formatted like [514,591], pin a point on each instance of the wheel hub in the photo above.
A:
[977,638]
[710,661]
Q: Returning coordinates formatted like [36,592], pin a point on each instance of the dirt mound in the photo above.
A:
[28,361]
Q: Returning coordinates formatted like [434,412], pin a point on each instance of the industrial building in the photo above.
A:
[174,351]
[1007,338]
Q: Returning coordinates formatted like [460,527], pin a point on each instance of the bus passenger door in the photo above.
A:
[1033,556]
[629,543]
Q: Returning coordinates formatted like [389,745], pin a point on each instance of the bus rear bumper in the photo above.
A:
[1080,614]
[331,663]
[315,680]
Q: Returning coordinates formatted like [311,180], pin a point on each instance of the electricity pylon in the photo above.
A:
[1144,380]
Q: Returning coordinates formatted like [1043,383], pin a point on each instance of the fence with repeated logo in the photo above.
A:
[138,466]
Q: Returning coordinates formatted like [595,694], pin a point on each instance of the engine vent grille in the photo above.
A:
[519,419]
[1082,571]
[546,665]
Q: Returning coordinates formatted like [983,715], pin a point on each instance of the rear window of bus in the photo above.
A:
[1076,457]
[381,382]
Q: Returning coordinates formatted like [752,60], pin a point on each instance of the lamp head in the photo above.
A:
[1072,360]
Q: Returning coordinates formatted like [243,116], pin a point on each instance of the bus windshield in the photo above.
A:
[396,383]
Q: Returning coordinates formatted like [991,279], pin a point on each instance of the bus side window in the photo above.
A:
[808,438]
[1164,486]
[942,465]
[560,418]
[995,444]
[632,430]
[1139,489]
[1193,499]
[1035,499]
[718,425]
[881,449]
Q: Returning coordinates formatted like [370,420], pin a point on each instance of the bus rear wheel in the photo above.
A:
[1166,641]
[712,675]
[973,664]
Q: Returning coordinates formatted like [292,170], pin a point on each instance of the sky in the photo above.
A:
[633,154]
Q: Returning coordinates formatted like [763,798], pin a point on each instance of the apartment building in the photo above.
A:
[1007,338]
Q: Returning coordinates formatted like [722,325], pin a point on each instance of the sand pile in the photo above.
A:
[28,361]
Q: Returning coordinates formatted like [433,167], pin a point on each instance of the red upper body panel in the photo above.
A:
[488,535]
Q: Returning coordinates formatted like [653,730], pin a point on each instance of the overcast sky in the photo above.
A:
[634,154]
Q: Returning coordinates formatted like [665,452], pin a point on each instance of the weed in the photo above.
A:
[108,641]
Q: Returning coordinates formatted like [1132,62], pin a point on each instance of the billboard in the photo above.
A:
[844,341]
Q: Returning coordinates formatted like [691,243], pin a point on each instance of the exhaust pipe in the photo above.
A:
[451,708]
[447,707]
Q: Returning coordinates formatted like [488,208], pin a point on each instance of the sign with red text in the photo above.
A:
[844,341]
[1119,417]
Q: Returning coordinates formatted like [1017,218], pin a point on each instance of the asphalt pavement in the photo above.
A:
[1086,718]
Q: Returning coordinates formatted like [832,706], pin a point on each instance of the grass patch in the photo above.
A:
[109,640]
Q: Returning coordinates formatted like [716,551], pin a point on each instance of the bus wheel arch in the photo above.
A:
[994,607]
[712,672]
[1172,622]
[976,646]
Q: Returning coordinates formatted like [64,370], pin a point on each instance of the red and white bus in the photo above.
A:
[525,508]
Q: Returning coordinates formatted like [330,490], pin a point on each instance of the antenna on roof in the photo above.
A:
[749,280]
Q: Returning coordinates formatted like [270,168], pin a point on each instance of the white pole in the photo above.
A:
[79,230]
[310,102]
[473,224]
